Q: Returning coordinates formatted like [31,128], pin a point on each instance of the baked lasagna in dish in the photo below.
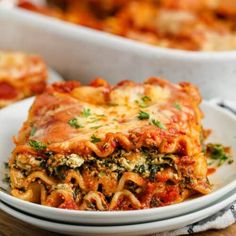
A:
[21,76]
[197,25]
[104,147]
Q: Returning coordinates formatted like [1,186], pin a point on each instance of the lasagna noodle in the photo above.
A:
[104,147]
[21,76]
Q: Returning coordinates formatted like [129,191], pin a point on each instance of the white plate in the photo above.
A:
[53,76]
[80,53]
[132,229]
[222,122]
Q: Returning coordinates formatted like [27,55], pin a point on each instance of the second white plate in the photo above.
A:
[122,230]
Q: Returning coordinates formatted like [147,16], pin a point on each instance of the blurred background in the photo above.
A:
[180,40]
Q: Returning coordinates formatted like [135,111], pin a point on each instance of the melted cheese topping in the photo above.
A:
[16,65]
[154,110]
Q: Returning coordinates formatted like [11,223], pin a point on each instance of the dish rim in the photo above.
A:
[219,204]
[110,40]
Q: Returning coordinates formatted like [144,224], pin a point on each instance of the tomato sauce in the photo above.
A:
[7,91]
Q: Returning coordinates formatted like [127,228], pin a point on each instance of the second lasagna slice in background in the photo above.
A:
[21,76]
[104,147]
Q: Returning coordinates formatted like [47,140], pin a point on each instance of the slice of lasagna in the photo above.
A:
[104,147]
[21,76]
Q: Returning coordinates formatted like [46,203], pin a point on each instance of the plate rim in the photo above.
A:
[37,207]
[194,216]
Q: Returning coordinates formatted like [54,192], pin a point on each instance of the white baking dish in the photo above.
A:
[82,54]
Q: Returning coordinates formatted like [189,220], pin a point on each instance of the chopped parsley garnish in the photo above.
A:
[158,124]
[177,106]
[94,120]
[146,99]
[96,127]
[101,174]
[37,145]
[143,115]
[95,139]
[74,123]
[6,165]
[6,179]
[86,112]
[218,153]
[33,131]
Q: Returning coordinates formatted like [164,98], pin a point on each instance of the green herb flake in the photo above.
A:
[143,102]
[143,115]
[95,139]
[94,120]
[158,124]
[74,123]
[177,106]
[33,131]
[86,112]
[146,99]
[6,179]
[101,174]
[96,127]
[217,152]
[37,145]
[6,165]
[210,163]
